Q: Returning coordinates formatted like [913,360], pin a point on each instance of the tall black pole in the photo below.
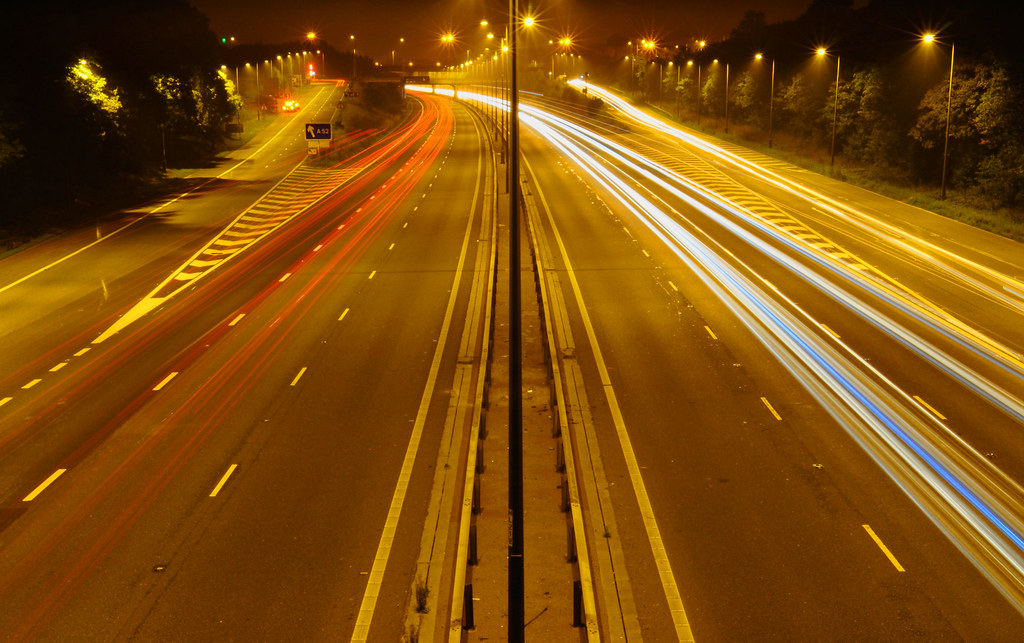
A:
[726,98]
[771,104]
[949,103]
[516,584]
[835,112]
[698,93]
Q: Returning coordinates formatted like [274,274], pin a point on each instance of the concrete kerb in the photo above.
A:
[562,429]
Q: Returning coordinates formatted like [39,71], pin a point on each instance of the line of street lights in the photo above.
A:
[645,48]
[926,38]
[270,63]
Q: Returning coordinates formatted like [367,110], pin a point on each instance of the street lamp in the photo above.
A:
[516,628]
[726,98]
[650,48]
[312,37]
[661,80]
[930,38]
[835,108]
[401,41]
[700,47]
[771,99]
[249,66]
[448,41]
[353,39]
[689,63]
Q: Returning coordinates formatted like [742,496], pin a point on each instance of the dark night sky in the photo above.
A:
[379,25]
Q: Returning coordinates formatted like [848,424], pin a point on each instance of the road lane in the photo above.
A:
[88,276]
[608,268]
[315,456]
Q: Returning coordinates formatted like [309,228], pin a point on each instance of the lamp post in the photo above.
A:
[700,47]
[257,91]
[312,38]
[771,99]
[401,41]
[649,47]
[448,40]
[631,58]
[698,94]
[516,577]
[930,38]
[352,37]
[679,107]
[726,98]
[835,109]
[661,80]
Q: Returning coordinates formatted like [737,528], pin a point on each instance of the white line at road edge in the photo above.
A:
[380,560]
[141,217]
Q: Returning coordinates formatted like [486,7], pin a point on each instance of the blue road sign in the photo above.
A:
[318,131]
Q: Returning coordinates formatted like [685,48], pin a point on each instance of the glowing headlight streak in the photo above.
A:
[1009,286]
[917,308]
[971,501]
[982,510]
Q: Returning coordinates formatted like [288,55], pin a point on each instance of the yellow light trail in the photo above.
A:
[966,496]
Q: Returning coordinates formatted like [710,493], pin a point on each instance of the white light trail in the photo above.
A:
[970,499]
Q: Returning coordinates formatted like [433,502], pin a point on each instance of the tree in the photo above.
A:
[684,91]
[11,148]
[865,127]
[108,76]
[798,107]
[744,96]
[984,130]
[712,94]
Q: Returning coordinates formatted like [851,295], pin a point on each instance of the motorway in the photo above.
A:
[793,406]
[806,398]
[220,412]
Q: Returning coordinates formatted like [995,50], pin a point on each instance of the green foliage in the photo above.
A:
[712,92]
[684,91]
[745,100]
[798,107]
[890,121]
[985,130]
[108,76]
[86,81]
[11,149]
[865,127]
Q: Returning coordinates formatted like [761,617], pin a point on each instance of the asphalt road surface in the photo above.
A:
[806,397]
[796,405]
[213,406]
